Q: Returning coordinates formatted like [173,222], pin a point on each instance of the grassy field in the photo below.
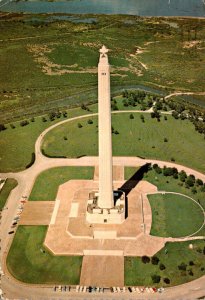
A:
[138,273]
[135,138]
[30,262]
[47,62]
[47,183]
[174,215]
[170,184]
[19,142]
[9,185]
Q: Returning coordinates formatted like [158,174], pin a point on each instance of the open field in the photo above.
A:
[138,273]
[49,63]
[19,142]
[135,138]
[174,215]
[47,183]
[30,262]
[9,185]
[169,184]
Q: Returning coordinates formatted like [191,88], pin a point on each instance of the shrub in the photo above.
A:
[156,278]
[90,121]
[24,123]
[12,126]
[155,260]
[162,267]
[145,259]
[191,263]
[158,170]
[182,176]
[65,138]
[79,125]
[194,190]
[199,182]
[165,118]
[191,273]
[182,267]
[2,127]
[172,159]
[165,140]
[167,280]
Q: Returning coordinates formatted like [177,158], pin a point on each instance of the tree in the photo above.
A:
[155,260]
[182,267]
[24,123]
[165,140]
[162,266]
[165,118]
[145,259]
[12,126]
[65,114]
[142,118]
[167,280]
[194,190]
[182,176]
[2,127]
[175,114]
[79,125]
[169,171]
[156,278]
[190,180]
[131,116]
[90,121]
[44,119]
[199,182]
[158,170]
[52,115]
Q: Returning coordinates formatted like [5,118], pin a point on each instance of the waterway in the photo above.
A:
[193,8]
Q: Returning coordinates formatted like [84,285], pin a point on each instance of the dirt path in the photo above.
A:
[184,93]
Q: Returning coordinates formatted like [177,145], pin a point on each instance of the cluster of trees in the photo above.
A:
[155,261]
[187,111]
[85,107]
[189,181]
[51,116]
[134,97]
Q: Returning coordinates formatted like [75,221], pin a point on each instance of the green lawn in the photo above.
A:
[174,215]
[9,185]
[47,183]
[17,145]
[27,262]
[138,273]
[169,184]
[135,138]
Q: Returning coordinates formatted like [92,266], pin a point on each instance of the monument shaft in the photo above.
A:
[105,136]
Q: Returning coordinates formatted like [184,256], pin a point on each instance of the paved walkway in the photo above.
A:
[98,270]
[26,180]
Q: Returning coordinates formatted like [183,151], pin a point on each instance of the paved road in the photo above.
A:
[26,179]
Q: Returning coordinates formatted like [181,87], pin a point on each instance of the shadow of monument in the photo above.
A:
[132,182]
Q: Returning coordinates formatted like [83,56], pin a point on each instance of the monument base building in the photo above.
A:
[113,215]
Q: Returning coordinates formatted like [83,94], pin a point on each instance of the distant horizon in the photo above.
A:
[149,8]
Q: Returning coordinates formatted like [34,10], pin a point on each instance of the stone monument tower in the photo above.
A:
[105,205]
[105,199]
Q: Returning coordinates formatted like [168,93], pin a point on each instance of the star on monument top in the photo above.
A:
[103,50]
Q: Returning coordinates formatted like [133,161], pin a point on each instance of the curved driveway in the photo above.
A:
[16,290]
